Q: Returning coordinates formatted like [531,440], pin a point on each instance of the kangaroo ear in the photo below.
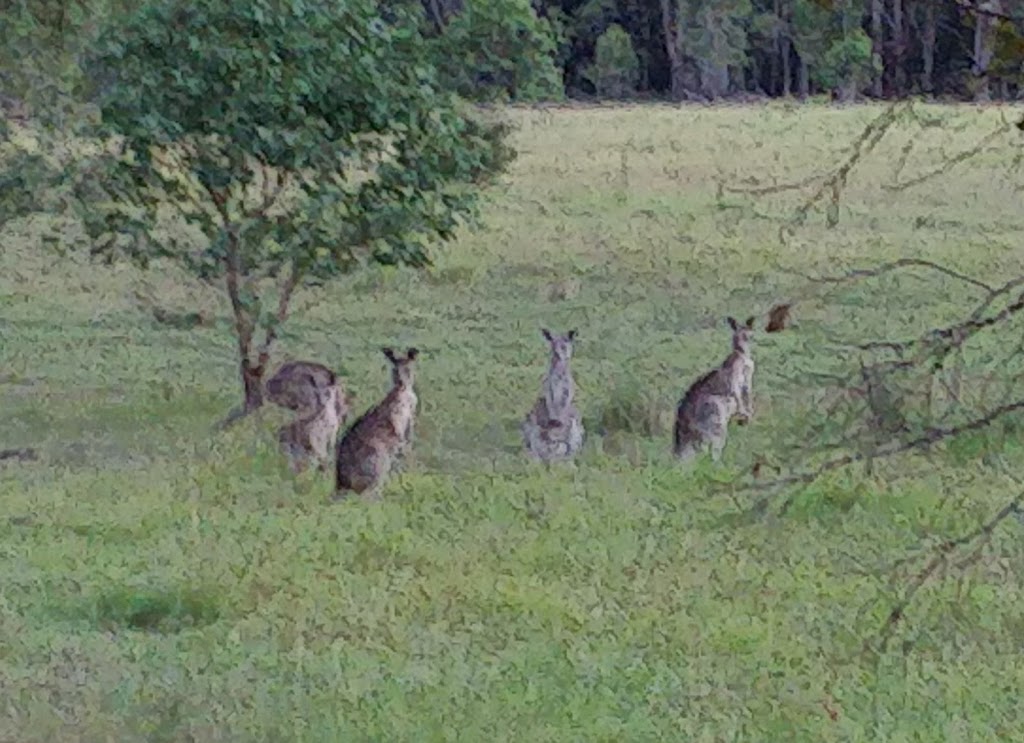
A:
[750,322]
[546,333]
[412,353]
[571,335]
[732,322]
[390,354]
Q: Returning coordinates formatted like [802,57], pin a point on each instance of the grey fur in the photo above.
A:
[705,411]
[553,429]
[316,394]
[367,452]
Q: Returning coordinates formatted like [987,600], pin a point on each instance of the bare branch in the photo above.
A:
[773,188]
[861,273]
[888,449]
[940,558]
[951,162]
[284,299]
[973,7]
[833,184]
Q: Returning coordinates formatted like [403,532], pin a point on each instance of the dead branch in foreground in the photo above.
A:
[954,160]
[833,182]
[938,343]
[977,540]
[888,449]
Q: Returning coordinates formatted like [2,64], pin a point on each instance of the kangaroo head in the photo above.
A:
[561,345]
[741,334]
[401,368]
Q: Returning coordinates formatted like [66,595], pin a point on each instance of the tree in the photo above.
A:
[494,49]
[297,139]
[718,41]
[810,25]
[616,68]
[848,65]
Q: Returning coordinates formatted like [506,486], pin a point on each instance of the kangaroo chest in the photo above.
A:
[403,411]
[558,389]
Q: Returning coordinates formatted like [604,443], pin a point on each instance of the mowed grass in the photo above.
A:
[161,582]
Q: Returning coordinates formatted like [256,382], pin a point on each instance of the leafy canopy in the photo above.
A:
[302,133]
[500,49]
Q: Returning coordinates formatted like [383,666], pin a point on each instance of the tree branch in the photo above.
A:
[244,326]
[861,273]
[284,299]
[889,449]
[939,559]
[951,162]
[972,7]
[834,183]
[940,341]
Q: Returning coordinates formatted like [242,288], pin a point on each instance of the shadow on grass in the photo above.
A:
[156,610]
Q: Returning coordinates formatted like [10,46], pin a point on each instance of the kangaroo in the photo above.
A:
[368,450]
[312,433]
[302,385]
[316,394]
[724,393]
[553,428]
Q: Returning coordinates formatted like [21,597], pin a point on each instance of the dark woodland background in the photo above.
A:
[519,50]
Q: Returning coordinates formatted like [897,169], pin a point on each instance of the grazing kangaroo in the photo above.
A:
[553,428]
[316,394]
[704,412]
[300,385]
[311,435]
[368,450]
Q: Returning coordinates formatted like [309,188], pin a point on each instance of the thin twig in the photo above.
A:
[284,299]
[940,559]
[861,273]
[888,449]
[951,162]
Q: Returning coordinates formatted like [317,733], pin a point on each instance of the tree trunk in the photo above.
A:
[787,74]
[805,80]
[252,382]
[984,25]
[899,45]
[928,50]
[677,69]
[877,46]
[433,7]
[776,57]
[774,86]
[714,79]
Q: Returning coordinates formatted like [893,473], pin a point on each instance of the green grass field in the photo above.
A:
[159,582]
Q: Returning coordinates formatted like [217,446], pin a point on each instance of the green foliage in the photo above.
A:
[810,27]
[296,139]
[616,69]
[500,50]
[24,174]
[714,35]
[848,63]
[373,159]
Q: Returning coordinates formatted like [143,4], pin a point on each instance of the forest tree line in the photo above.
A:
[537,50]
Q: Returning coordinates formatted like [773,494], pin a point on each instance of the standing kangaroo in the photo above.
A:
[368,450]
[315,393]
[704,412]
[553,428]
